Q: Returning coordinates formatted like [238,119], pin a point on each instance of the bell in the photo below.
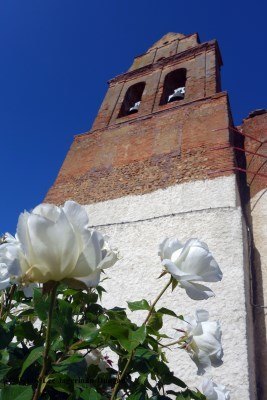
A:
[178,94]
[134,108]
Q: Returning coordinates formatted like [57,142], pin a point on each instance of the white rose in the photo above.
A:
[95,357]
[55,243]
[213,391]
[190,263]
[9,261]
[10,270]
[203,340]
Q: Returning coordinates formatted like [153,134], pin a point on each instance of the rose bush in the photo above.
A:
[52,344]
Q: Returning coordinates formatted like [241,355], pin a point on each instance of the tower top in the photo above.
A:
[169,45]
[166,39]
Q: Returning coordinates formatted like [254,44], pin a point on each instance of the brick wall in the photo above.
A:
[160,145]
[202,63]
[171,146]
[256,126]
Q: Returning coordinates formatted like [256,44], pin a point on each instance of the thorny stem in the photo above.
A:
[152,307]
[47,342]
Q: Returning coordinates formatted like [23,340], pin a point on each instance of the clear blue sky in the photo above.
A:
[57,55]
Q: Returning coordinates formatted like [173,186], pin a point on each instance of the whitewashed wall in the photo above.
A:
[210,211]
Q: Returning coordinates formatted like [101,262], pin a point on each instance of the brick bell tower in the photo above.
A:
[146,136]
[160,160]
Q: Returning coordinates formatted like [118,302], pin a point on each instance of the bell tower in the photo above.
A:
[160,160]
[156,126]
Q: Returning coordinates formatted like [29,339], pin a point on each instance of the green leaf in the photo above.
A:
[140,395]
[87,332]
[16,392]
[3,371]
[61,387]
[59,382]
[117,313]
[90,394]
[32,357]
[166,376]
[134,338]
[63,322]
[138,305]
[25,330]
[146,354]
[41,304]
[166,311]
[6,334]
[194,395]
[73,366]
[115,329]
[72,359]
[155,321]
[4,356]
[26,313]
[100,290]
[102,319]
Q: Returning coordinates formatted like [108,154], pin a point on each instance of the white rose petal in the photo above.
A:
[190,264]
[203,341]
[95,357]
[55,243]
[212,391]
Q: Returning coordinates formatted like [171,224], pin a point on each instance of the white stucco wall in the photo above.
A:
[208,210]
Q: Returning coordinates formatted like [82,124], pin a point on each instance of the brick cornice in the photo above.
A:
[192,52]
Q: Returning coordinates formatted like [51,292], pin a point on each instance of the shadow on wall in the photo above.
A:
[259,316]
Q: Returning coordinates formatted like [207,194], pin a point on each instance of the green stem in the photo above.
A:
[156,300]
[171,344]
[10,298]
[47,343]
[121,376]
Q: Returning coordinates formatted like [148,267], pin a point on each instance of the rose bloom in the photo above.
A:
[202,340]
[190,263]
[55,243]
[212,391]
[95,357]
[9,261]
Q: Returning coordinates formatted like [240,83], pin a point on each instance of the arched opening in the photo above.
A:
[132,99]
[174,86]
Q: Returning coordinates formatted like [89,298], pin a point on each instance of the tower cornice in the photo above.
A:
[189,53]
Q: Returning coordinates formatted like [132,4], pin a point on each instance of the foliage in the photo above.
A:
[80,326]
[58,342]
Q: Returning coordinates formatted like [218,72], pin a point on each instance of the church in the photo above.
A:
[164,158]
